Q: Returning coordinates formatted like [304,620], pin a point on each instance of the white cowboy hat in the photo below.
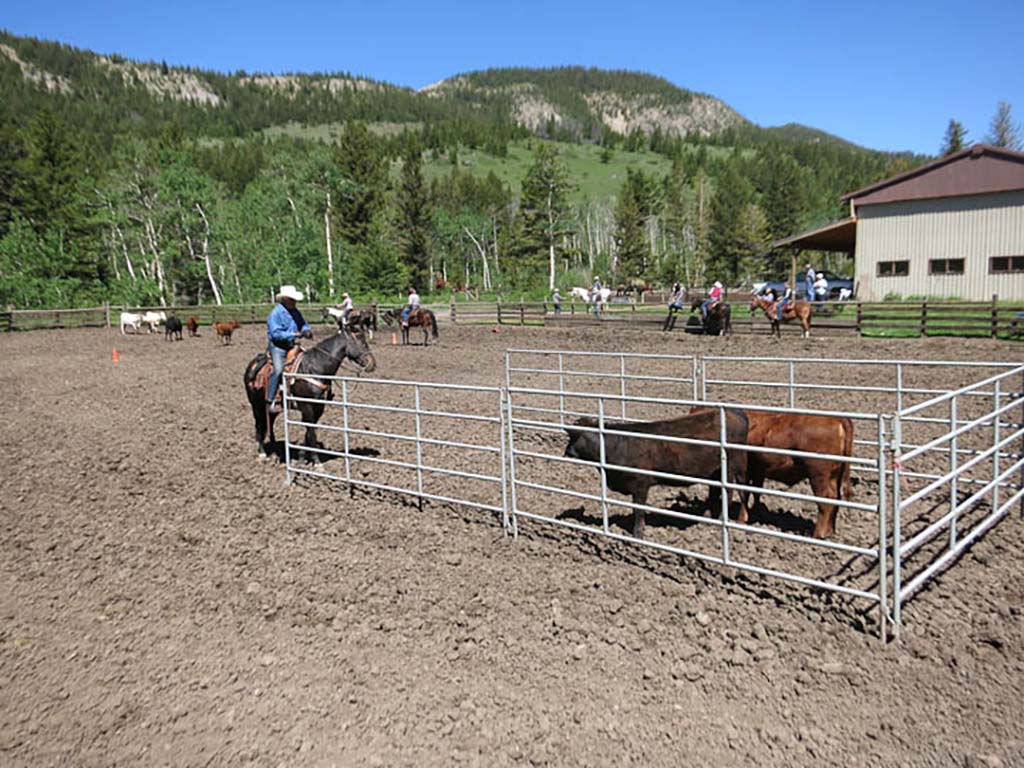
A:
[718,284]
[290,292]
[344,295]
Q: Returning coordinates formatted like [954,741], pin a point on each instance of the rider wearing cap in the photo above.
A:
[284,324]
[714,296]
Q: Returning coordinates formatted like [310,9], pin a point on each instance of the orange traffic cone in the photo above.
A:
[115,357]
[394,339]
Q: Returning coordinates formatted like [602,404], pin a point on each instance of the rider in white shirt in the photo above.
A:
[346,307]
[413,303]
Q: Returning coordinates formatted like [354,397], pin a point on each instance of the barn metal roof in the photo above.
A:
[977,170]
[837,236]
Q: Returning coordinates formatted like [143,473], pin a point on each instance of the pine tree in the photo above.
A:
[544,214]
[784,202]
[379,267]
[954,139]
[630,241]
[1003,132]
[637,204]
[678,224]
[363,167]
[727,240]
[12,154]
[413,219]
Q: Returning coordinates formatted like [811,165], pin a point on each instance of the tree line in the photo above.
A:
[175,219]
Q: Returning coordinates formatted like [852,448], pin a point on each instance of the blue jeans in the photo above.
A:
[277,356]
[782,305]
[704,307]
[405,314]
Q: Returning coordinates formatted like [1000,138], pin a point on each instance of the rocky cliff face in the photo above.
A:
[530,102]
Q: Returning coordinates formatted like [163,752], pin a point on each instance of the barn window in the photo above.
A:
[945,266]
[998,264]
[893,268]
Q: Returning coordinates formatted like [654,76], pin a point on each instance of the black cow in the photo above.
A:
[661,455]
[172,329]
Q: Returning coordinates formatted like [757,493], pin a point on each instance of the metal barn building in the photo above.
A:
[950,228]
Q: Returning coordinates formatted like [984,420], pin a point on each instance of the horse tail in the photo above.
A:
[256,396]
[433,323]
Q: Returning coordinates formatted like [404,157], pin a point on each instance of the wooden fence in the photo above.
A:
[888,318]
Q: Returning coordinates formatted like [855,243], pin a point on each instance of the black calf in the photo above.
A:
[172,329]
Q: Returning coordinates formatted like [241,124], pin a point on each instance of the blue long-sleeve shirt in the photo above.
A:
[283,324]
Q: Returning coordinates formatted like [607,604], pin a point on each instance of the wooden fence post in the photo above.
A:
[995,315]
[924,317]
[106,313]
[451,310]
[499,313]
[860,316]
[522,311]
[572,306]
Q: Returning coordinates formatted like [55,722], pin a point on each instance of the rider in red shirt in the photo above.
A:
[714,296]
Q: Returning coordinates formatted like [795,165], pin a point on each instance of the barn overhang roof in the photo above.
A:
[977,170]
[838,236]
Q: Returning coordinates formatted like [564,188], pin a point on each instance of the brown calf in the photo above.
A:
[829,478]
[224,330]
[193,326]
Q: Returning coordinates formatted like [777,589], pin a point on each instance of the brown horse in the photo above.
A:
[797,310]
[419,316]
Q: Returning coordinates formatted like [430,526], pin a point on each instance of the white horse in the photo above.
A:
[584,295]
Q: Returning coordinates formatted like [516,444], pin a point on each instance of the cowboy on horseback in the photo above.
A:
[412,305]
[714,296]
[284,325]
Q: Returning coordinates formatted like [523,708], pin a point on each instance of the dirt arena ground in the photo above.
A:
[165,601]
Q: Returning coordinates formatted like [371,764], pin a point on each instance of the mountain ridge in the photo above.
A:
[578,102]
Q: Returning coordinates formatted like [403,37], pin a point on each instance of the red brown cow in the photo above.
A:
[829,478]
[224,330]
[193,326]
[661,455]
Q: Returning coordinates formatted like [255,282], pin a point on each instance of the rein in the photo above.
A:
[341,358]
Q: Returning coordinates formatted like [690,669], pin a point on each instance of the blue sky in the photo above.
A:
[884,75]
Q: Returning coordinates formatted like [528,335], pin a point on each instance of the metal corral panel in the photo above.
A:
[972,228]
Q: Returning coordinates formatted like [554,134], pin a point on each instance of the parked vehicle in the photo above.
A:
[836,286]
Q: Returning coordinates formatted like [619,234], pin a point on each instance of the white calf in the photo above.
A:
[131,320]
[153,320]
